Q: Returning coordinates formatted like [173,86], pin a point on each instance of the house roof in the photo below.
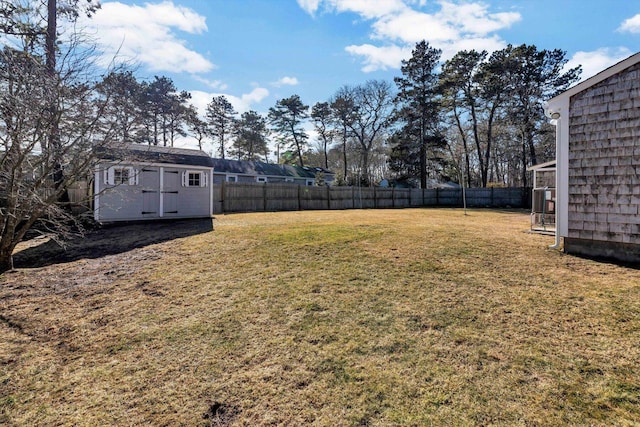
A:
[154,154]
[255,168]
[602,75]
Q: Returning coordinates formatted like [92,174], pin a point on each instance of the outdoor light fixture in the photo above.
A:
[555,115]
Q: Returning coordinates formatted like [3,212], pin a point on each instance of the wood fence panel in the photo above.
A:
[430,197]
[314,198]
[402,198]
[341,197]
[364,198]
[256,197]
[282,197]
[417,197]
[217,199]
[449,197]
[479,197]
[384,197]
[243,197]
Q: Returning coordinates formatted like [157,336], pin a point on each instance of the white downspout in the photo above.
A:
[558,123]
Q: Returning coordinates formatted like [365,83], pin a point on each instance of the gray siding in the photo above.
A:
[147,200]
[604,160]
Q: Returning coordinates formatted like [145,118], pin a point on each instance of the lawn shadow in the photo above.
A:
[109,240]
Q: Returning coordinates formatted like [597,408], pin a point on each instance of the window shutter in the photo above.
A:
[184,179]
[105,176]
[203,181]
[111,177]
[133,176]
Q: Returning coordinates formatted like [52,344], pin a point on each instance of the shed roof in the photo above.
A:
[154,154]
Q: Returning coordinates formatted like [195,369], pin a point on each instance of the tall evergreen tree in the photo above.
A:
[123,114]
[250,141]
[534,76]
[343,110]
[322,117]
[221,119]
[460,91]
[286,119]
[417,100]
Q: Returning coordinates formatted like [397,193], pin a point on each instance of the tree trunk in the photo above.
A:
[344,153]
[423,155]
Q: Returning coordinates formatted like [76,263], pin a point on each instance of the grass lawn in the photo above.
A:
[411,317]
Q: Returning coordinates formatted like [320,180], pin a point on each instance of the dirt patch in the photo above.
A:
[220,414]
[103,255]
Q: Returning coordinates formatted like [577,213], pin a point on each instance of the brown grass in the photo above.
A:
[334,318]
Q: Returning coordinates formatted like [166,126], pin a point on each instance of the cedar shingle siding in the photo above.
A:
[604,166]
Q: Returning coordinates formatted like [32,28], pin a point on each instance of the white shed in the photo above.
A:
[143,182]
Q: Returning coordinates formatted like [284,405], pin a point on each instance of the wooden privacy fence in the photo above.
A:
[268,197]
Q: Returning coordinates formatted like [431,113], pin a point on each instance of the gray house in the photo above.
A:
[598,163]
[225,170]
[141,182]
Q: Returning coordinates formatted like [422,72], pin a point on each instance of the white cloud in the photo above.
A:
[631,25]
[399,24]
[147,35]
[474,18]
[411,26]
[240,103]
[368,9]
[213,84]
[286,81]
[309,6]
[595,61]
[379,58]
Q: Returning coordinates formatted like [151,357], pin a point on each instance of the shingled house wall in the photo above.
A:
[604,168]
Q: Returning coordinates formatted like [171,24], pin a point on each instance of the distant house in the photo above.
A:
[598,163]
[226,170]
[142,182]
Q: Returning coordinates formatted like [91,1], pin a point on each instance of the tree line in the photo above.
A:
[476,117]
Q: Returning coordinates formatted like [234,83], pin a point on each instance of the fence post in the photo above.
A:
[328,198]
[264,197]
[223,199]
[353,198]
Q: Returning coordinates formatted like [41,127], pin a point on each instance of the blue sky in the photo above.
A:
[258,51]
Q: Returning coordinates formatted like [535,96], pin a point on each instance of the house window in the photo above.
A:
[121,175]
[310,182]
[232,178]
[261,179]
[194,179]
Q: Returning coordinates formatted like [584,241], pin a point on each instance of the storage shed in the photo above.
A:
[598,163]
[141,182]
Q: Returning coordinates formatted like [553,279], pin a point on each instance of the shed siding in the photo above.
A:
[604,161]
[158,194]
